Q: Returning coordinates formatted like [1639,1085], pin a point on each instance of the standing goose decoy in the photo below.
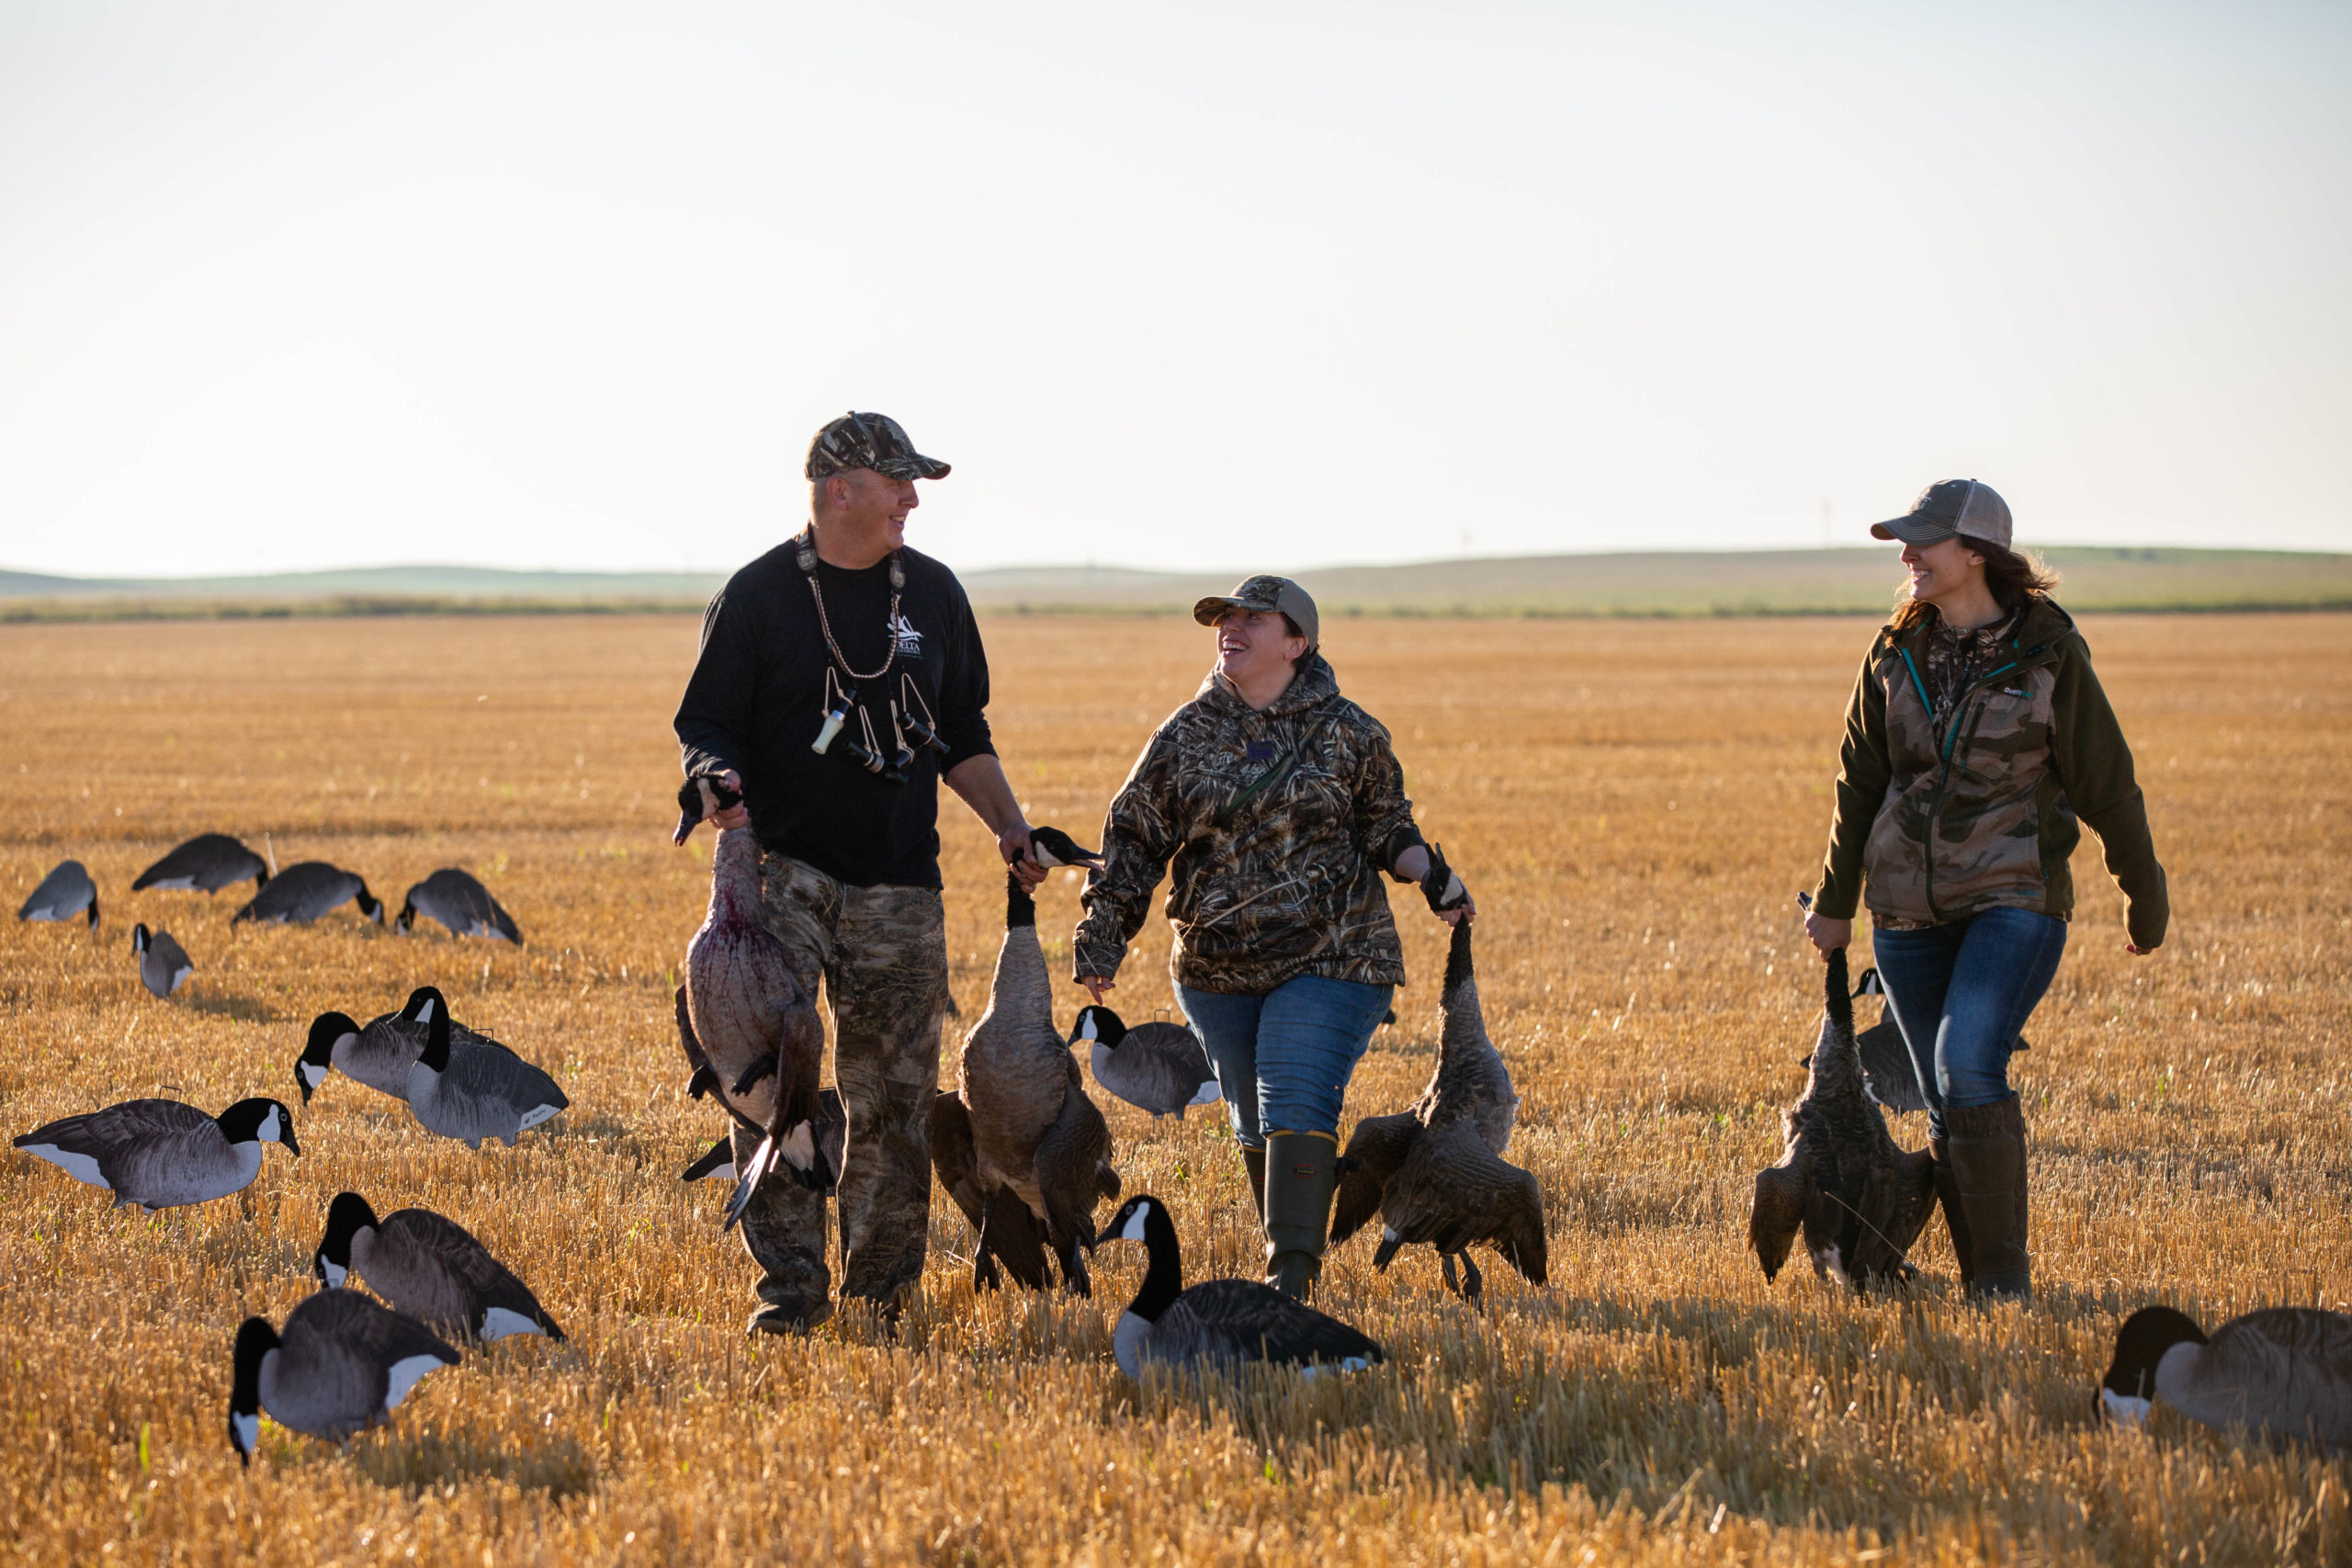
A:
[161,1153]
[304,891]
[343,1363]
[471,1089]
[1038,1140]
[2285,1373]
[430,1268]
[459,902]
[1157,1066]
[748,1027]
[65,894]
[206,863]
[379,1054]
[1859,1199]
[163,963]
[1436,1173]
[1219,1323]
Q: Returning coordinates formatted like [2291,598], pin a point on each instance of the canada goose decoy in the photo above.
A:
[430,1268]
[379,1052]
[2285,1373]
[1008,1231]
[459,902]
[1157,1066]
[206,863]
[161,1153]
[163,963]
[1887,1070]
[472,1089]
[1036,1138]
[1859,1199]
[749,1028]
[1437,1174]
[1218,1323]
[343,1363]
[65,894]
[304,891]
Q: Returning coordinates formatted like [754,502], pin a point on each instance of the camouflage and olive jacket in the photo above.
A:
[1938,820]
[1279,824]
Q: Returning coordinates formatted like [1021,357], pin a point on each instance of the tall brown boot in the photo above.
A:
[1955,1217]
[1987,1147]
[1302,1176]
[1254,1162]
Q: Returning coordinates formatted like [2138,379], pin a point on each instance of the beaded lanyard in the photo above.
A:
[808,560]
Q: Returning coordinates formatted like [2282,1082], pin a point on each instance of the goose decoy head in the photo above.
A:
[259,1120]
[318,1052]
[406,919]
[370,906]
[2130,1385]
[700,798]
[139,939]
[1137,1218]
[255,1339]
[427,1006]
[1099,1025]
[346,1217]
[1052,847]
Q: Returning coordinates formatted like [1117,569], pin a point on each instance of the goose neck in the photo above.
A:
[735,875]
[1163,1280]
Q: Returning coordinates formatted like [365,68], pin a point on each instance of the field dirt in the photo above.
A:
[1634,804]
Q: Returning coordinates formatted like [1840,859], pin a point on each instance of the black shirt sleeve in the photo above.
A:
[964,692]
[715,719]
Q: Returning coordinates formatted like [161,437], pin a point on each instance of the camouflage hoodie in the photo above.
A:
[1937,822]
[1279,824]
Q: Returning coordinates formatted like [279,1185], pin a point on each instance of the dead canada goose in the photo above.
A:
[1007,1233]
[1218,1323]
[1887,1069]
[1436,1173]
[1859,1199]
[66,892]
[832,1135]
[343,1363]
[749,1028]
[458,901]
[304,891]
[206,863]
[378,1054]
[2284,1371]
[1157,1066]
[1036,1138]
[471,1089]
[163,966]
[161,1153]
[430,1268]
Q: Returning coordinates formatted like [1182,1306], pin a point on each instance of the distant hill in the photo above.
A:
[1648,583]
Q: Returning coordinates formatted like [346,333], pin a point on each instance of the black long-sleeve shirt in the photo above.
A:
[755,703]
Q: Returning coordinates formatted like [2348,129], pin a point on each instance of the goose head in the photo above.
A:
[1098,1025]
[259,1120]
[1137,1218]
[406,919]
[427,1006]
[140,939]
[370,906]
[700,798]
[1051,847]
[256,1341]
[346,1217]
[327,1031]
[2141,1345]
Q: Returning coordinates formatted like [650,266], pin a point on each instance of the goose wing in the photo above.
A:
[301,892]
[1007,1230]
[344,1362]
[1775,1216]
[1375,1149]
[1898,1197]
[1887,1069]
[1242,1320]
[170,961]
[1071,1159]
[489,1072]
[1454,1191]
[482,1282]
[2284,1370]
[111,1140]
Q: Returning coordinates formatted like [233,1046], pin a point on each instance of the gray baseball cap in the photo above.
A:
[1265,593]
[1963,508]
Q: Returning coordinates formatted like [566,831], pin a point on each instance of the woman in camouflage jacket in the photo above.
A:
[1280,803]
[1977,739]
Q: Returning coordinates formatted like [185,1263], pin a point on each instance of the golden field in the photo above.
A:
[1634,804]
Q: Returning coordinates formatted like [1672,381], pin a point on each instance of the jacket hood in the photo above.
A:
[1315,683]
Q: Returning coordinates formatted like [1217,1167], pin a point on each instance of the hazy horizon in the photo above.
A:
[1175,288]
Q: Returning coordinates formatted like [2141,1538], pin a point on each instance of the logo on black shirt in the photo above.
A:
[909,639]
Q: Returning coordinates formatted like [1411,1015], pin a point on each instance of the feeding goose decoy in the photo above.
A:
[1859,1199]
[66,892]
[1218,1323]
[379,1052]
[161,1153]
[459,902]
[206,863]
[471,1089]
[1036,1138]
[343,1363]
[430,1268]
[1436,1174]
[163,963]
[1157,1066]
[749,1028]
[304,891]
[2285,1373]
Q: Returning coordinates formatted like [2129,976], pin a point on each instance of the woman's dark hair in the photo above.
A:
[2014,576]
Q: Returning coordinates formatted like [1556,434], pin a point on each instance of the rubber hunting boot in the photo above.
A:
[1253,1161]
[1955,1217]
[1302,1176]
[1987,1146]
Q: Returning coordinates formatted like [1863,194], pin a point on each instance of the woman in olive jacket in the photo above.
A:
[1976,739]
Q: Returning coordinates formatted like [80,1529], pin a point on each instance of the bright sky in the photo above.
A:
[1261,284]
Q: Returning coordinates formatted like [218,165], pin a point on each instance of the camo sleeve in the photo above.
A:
[1384,814]
[1862,774]
[1139,834]
[2093,762]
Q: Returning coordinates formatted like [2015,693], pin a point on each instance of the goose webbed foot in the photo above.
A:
[702,1083]
[1473,1284]
[764,1067]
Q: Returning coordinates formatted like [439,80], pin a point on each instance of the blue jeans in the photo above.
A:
[1960,992]
[1283,1059]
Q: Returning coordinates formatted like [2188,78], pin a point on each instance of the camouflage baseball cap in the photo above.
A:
[869,441]
[1264,594]
[1949,507]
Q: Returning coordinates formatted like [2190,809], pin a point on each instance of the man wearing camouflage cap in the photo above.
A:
[841,679]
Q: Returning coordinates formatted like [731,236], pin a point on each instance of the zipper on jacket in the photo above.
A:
[1943,768]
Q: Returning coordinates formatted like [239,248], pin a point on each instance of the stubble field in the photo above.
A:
[1635,803]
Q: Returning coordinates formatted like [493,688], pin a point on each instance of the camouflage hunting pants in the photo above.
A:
[883,954]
